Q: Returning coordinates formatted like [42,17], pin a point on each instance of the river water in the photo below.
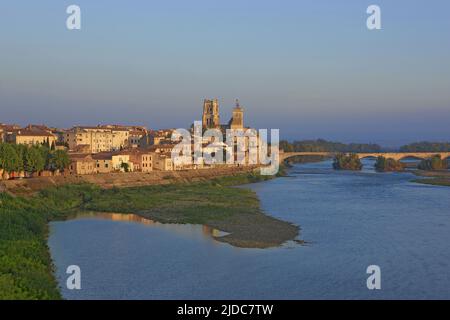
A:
[349,221]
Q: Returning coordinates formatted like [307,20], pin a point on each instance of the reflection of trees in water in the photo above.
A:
[125,217]
[130,217]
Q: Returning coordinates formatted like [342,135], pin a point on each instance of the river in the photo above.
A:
[349,220]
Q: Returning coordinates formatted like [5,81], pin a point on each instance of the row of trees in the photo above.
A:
[31,159]
[321,145]
[352,162]
[426,146]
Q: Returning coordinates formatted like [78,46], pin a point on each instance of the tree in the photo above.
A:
[60,160]
[34,160]
[9,159]
[388,164]
[435,163]
[347,162]
[286,146]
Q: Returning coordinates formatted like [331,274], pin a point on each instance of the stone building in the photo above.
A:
[237,119]
[7,131]
[99,139]
[211,110]
[31,137]
[157,137]
[120,161]
[103,162]
[141,159]
[162,161]
[81,164]
[211,117]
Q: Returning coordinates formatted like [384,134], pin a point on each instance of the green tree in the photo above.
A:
[435,163]
[9,159]
[60,160]
[286,146]
[347,162]
[388,164]
[34,160]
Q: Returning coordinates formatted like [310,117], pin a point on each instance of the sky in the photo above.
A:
[309,68]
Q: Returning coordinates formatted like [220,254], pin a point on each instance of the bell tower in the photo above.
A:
[210,118]
[237,120]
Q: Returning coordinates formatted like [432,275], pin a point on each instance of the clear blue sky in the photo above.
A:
[310,68]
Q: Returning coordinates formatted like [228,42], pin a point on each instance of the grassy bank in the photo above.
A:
[435,178]
[25,263]
[435,182]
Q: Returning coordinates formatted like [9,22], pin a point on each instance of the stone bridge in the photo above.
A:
[394,155]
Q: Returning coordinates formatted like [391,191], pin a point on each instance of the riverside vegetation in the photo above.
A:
[388,164]
[435,163]
[26,270]
[347,162]
[17,158]
[436,171]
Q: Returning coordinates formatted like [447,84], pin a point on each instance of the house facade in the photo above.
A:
[81,164]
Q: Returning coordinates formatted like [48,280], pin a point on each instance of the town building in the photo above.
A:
[162,161]
[141,159]
[81,164]
[103,162]
[157,137]
[99,139]
[121,162]
[31,137]
[135,137]
[7,130]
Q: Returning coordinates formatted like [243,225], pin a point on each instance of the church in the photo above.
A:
[211,116]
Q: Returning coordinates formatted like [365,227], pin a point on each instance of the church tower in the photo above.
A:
[237,120]
[211,119]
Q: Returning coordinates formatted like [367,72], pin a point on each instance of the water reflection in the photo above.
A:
[186,229]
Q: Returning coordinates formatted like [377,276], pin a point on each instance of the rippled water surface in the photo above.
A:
[349,220]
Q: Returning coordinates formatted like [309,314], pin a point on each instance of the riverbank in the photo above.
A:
[130,179]
[26,270]
[435,178]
